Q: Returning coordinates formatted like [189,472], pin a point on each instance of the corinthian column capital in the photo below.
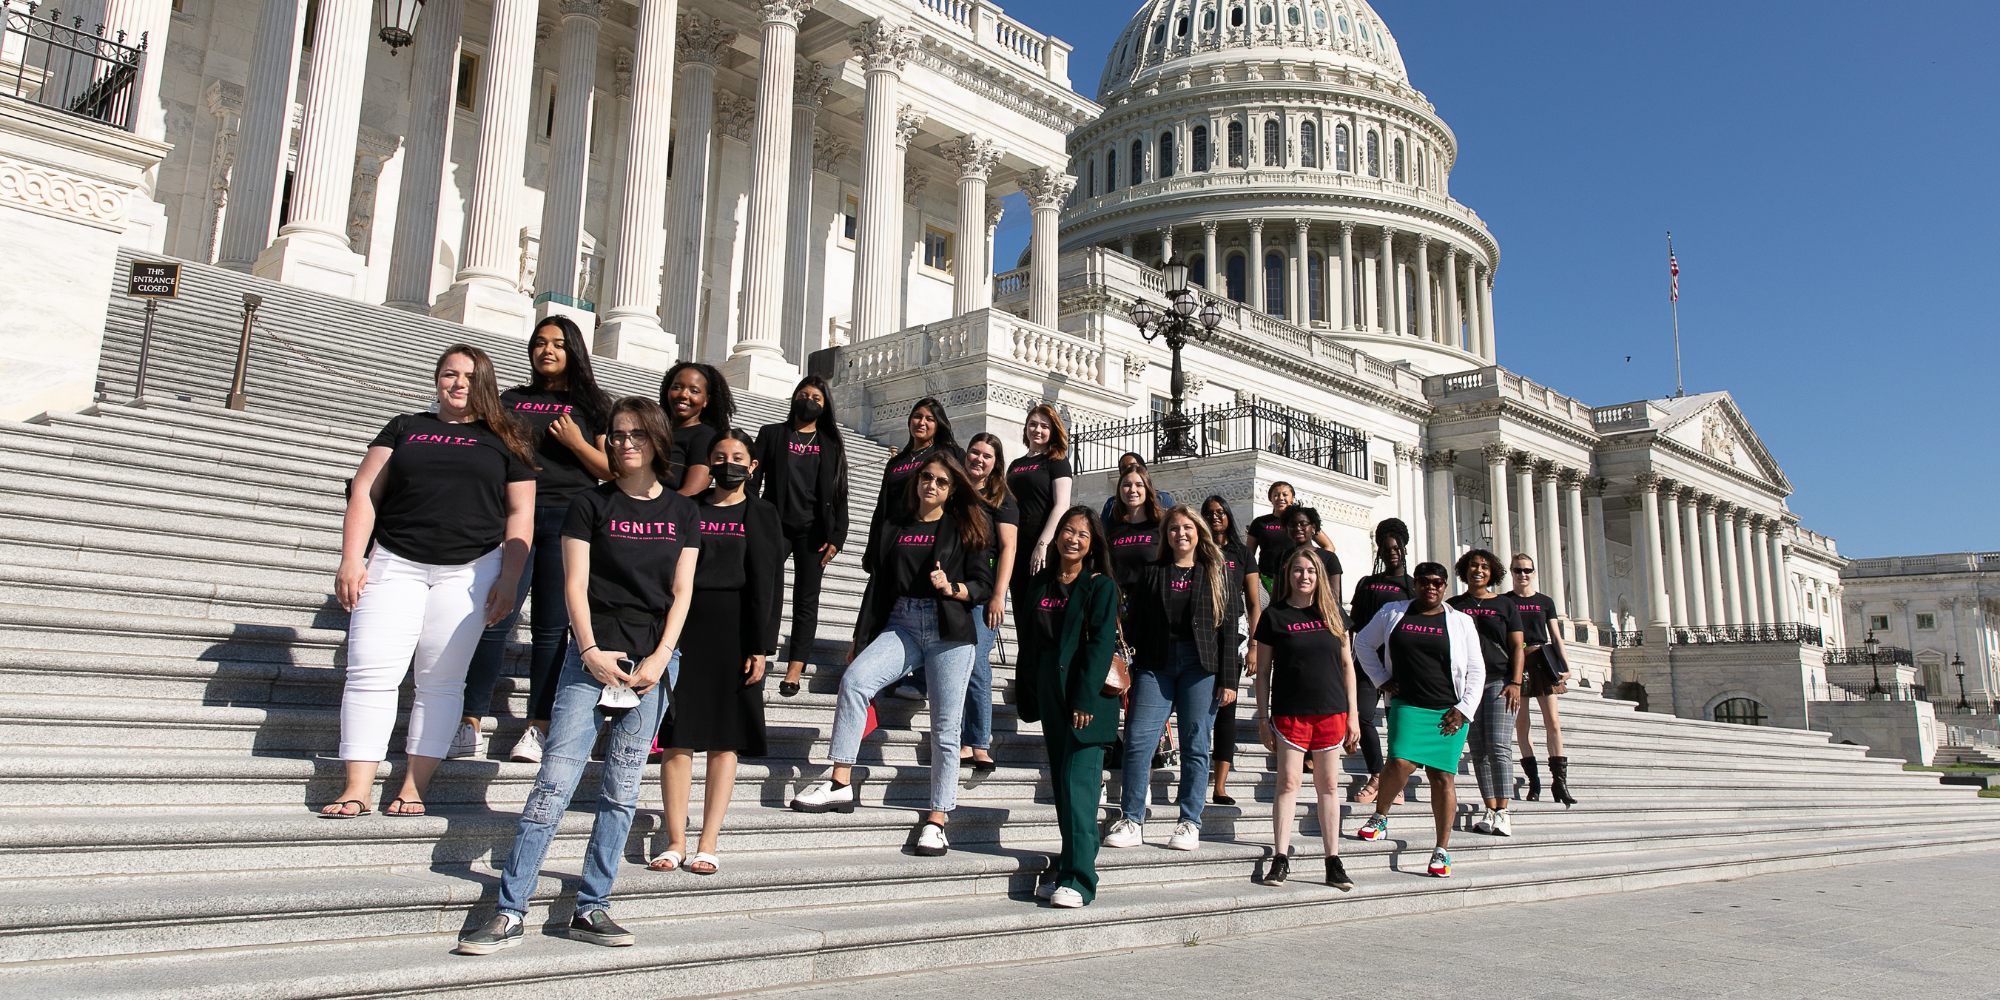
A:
[909,118]
[884,46]
[1496,453]
[1047,187]
[809,85]
[975,157]
[699,38]
[593,9]
[1440,460]
[789,11]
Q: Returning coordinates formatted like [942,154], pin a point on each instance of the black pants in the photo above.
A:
[1368,701]
[1222,742]
[803,544]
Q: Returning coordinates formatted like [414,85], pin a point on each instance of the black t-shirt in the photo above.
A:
[1032,478]
[635,546]
[1180,611]
[910,561]
[1374,591]
[691,447]
[1049,614]
[725,543]
[1306,677]
[1132,547]
[563,475]
[896,477]
[1009,512]
[1273,541]
[802,493]
[1536,612]
[1237,563]
[1495,617]
[444,498]
[1420,655]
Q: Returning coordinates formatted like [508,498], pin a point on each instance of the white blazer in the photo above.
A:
[1468,664]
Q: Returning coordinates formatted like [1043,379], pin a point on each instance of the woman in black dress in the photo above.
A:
[801,467]
[699,407]
[930,433]
[1390,583]
[718,703]
[1242,566]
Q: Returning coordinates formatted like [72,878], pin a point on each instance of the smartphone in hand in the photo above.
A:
[620,698]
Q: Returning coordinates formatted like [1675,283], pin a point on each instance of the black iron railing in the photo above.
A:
[1622,640]
[1222,430]
[1886,692]
[56,62]
[1792,632]
[1857,656]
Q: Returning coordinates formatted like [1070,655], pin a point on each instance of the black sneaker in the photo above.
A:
[1336,875]
[1276,873]
[500,931]
[596,927]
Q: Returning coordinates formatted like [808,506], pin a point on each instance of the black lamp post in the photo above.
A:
[1873,646]
[1959,664]
[1177,324]
[1486,527]
[399,22]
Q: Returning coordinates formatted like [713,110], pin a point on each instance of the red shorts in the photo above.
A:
[1311,732]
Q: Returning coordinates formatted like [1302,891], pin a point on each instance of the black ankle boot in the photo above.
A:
[1559,781]
[1534,777]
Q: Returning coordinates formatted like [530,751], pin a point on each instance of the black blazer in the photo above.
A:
[887,507]
[764,572]
[1147,628]
[773,479]
[1071,678]
[954,616]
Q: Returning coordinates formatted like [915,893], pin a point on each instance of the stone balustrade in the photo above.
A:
[985,335]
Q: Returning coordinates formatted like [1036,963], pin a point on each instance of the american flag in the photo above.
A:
[1673,268]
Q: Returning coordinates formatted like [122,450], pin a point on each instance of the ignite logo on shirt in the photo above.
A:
[801,448]
[1135,540]
[1181,584]
[917,541]
[440,439]
[1480,611]
[725,529]
[1312,626]
[660,531]
[1037,467]
[1417,629]
[909,466]
[1385,588]
[1054,603]
[563,408]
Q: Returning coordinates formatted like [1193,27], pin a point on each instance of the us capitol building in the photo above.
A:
[753,184]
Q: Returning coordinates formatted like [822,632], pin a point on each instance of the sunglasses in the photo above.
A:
[1430,582]
[935,480]
[1523,572]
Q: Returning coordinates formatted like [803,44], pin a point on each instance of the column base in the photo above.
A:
[485,307]
[637,341]
[760,373]
[308,262]
[583,318]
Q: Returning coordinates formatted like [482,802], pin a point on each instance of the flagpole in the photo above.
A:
[1679,391]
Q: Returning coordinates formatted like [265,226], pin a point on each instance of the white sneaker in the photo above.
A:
[466,743]
[529,749]
[907,692]
[1045,890]
[931,842]
[1125,833]
[823,797]
[1066,898]
[1187,837]
[1485,824]
[1503,823]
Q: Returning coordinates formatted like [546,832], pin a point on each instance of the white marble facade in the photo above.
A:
[1937,607]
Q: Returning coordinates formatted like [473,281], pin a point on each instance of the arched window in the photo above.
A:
[1741,711]
[1421,157]
[1138,161]
[1166,155]
[1374,155]
[1198,271]
[1236,279]
[1208,19]
[1274,143]
[1315,280]
[1236,143]
[1160,33]
[1341,160]
[1308,144]
[1236,17]
[1319,19]
[1200,148]
[1274,284]
[1110,170]
[1265,15]
[1293,17]
[1400,176]
[1090,179]
[1180,27]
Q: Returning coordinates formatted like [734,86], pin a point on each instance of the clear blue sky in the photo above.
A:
[1829,173]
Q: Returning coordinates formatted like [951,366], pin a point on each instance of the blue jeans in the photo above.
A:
[1185,689]
[548,624]
[910,640]
[977,729]
[572,732]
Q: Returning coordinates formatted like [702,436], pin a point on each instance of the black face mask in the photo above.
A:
[729,475]
[806,411]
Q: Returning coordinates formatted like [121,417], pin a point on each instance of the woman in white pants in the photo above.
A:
[448,500]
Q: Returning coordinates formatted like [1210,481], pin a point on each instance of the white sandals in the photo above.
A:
[667,861]
[703,858]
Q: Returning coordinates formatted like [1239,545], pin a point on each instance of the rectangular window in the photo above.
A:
[849,217]
[1927,621]
[468,80]
[1381,473]
[1160,406]
[549,121]
[1878,623]
[937,249]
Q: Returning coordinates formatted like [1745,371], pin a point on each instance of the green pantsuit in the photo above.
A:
[1065,681]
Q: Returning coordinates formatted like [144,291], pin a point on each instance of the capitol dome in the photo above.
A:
[1278,147]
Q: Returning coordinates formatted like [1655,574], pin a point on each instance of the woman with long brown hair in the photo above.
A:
[1134,526]
[448,501]
[1041,482]
[935,573]
[1305,704]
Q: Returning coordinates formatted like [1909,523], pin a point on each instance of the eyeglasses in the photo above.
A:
[1518,571]
[628,437]
[935,480]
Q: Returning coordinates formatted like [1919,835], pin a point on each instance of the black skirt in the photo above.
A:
[713,708]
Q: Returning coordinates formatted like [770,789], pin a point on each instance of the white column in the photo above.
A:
[1423,278]
[698,39]
[974,158]
[1524,496]
[1732,586]
[1443,519]
[1697,591]
[809,87]
[1760,556]
[1166,237]
[1047,189]
[1450,326]
[1255,293]
[1496,456]
[1589,584]
[1471,303]
[144,23]
[1670,518]
[1211,262]
[266,132]
[631,331]
[569,163]
[1551,566]
[486,292]
[1350,311]
[312,249]
[1491,350]
[1385,270]
[413,253]
[995,209]
[884,49]
[1410,460]
[1301,293]
[1711,565]
[1659,601]
[1781,578]
[1746,566]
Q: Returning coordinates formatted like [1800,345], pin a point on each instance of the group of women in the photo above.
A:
[627,519]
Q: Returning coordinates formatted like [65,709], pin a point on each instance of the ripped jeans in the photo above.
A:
[565,754]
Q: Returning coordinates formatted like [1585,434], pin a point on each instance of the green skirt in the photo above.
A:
[1414,736]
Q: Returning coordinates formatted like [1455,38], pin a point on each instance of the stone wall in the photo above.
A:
[1900,730]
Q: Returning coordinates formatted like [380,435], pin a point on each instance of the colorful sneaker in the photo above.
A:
[1375,827]
[1440,866]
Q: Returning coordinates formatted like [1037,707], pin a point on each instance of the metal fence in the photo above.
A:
[56,62]
[1622,640]
[1857,656]
[1222,430]
[1890,691]
[1705,635]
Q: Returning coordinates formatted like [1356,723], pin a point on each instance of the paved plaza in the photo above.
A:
[1892,929]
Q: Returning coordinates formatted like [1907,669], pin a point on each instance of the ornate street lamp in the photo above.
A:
[399,22]
[1958,663]
[1177,325]
[1486,527]
[1873,646]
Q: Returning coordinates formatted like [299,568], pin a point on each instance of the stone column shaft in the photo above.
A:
[1473,343]
[1301,294]
[975,158]
[486,292]
[1210,261]
[1697,597]
[1258,300]
[883,49]
[569,153]
[758,361]
[1386,272]
[1550,566]
[413,253]
[1732,585]
[808,90]
[1496,495]
[1760,555]
[1350,310]
[1490,350]
[1047,189]
[1577,567]
[1423,278]
[1711,566]
[1451,328]
[631,330]
[1658,602]
[1781,579]
[1599,571]
[1524,493]
[698,40]
[1746,567]
[312,249]
[266,132]
[1675,562]
[1443,512]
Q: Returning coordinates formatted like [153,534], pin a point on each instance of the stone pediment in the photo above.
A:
[1711,425]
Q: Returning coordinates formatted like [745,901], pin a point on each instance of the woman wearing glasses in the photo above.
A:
[1546,675]
[1493,727]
